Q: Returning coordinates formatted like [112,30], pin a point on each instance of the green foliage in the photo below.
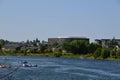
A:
[25,52]
[2,42]
[80,46]
[97,53]
[93,47]
[41,48]
[118,53]
[76,47]
[48,50]
[31,50]
[55,44]
[13,51]
[105,53]
[20,51]
[113,53]
[57,53]
[67,46]
[113,42]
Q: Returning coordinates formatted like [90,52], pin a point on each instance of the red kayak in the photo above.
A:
[1,66]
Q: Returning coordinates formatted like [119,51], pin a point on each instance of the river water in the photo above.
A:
[59,69]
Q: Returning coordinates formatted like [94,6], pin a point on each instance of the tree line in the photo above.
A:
[110,49]
[76,47]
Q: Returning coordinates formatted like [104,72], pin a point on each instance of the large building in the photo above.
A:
[62,40]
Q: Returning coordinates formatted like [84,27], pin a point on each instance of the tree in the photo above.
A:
[37,40]
[93,47]
[118,53]
[81,46]
[113,42]
[27,41]
[113,53]
[67,46]
[2,42]
[55,44]
[57,53]
[97,53]
[105,53]
[76,47]
[41,48]
[25,52]
[48,50]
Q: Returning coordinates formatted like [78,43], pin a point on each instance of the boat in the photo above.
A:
[29,65]
[2,66]
[26,64]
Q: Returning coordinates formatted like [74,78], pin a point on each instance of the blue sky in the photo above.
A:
[30,19]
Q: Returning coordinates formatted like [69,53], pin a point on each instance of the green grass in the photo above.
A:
[65,55]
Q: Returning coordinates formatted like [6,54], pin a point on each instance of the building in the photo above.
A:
[11,46]
[61,40]
[103,42]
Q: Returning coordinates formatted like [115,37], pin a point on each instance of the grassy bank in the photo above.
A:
[66,55]
[70,55]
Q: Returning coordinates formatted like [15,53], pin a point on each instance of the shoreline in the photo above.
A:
[68,55]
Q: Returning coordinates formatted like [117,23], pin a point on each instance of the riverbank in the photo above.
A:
[66,55]
[70,55]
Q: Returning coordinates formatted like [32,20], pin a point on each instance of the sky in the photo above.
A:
[22,20]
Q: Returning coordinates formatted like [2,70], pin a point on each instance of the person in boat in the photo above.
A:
[35,65]
[29,65]
[2,66]
[26,64]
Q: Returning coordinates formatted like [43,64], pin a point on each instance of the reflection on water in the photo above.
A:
[60,69]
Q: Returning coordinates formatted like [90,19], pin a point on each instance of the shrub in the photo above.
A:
[118,53]
[105,53]
[97,53]
[57,53]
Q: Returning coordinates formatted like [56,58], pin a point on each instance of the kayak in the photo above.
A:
[5,66]
[29,65]
[26,64]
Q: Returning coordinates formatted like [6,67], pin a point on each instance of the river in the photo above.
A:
[59,69]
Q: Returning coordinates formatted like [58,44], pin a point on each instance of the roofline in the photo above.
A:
[73,37]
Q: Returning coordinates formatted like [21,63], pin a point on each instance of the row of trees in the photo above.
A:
[95,49]
[80,47]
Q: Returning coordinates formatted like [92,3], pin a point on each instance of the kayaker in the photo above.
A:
[2,66]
